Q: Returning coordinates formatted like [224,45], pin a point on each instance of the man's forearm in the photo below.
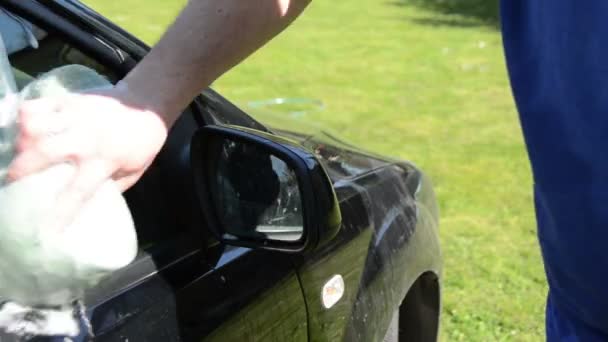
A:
[206,40]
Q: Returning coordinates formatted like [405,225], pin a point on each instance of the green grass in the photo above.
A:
[423,81]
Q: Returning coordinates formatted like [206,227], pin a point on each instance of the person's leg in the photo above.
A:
[561,327]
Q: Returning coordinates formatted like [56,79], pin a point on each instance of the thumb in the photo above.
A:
[38,115]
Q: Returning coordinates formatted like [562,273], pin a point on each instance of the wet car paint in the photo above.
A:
[196,289]
[387,240]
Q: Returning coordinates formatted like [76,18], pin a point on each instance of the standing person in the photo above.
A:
[557,56]
[126,126]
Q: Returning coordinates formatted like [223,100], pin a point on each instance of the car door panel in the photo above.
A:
[216,292]
[244,295]
[252,295]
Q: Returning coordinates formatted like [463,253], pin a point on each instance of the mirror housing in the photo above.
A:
[259,190]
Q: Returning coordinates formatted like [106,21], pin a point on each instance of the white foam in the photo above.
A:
[25,322]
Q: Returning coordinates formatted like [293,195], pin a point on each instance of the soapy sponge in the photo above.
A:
[45,268]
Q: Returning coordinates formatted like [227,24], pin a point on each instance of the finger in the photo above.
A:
[88,179]
[45,153]
[38,118]
[125,182]
[42,105]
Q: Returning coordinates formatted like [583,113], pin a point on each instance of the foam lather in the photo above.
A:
[43,267]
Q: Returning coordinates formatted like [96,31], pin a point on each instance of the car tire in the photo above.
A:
[392,333]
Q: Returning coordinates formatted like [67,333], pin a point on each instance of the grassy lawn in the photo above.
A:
[412,79]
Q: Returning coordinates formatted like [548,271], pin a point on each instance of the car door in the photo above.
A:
[209,291]
[183,285]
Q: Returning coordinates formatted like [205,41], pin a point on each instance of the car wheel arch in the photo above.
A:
[419,312]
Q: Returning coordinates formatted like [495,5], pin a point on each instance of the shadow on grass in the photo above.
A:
[458,13]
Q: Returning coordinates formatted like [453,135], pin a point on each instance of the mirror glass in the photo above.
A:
[255,193]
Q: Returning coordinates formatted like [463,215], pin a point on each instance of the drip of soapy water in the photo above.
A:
[5,152]
[84,319]
[8,131]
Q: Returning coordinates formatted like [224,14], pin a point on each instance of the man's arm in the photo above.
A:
[117,133]
[207,39]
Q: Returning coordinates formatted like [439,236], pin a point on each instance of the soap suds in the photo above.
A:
[21,323]
[27,322]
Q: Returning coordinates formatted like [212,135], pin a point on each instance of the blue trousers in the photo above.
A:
[562,327]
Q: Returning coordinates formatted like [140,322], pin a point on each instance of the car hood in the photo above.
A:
[341,159]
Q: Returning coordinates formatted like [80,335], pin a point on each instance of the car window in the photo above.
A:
[33,52]
[51,52]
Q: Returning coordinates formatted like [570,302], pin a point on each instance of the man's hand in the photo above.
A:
[104,135]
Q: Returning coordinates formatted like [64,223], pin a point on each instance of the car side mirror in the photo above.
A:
[259,190]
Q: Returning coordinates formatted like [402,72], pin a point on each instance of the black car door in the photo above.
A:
[215,293]
[184,285]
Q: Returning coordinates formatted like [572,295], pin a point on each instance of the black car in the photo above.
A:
[250,231]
